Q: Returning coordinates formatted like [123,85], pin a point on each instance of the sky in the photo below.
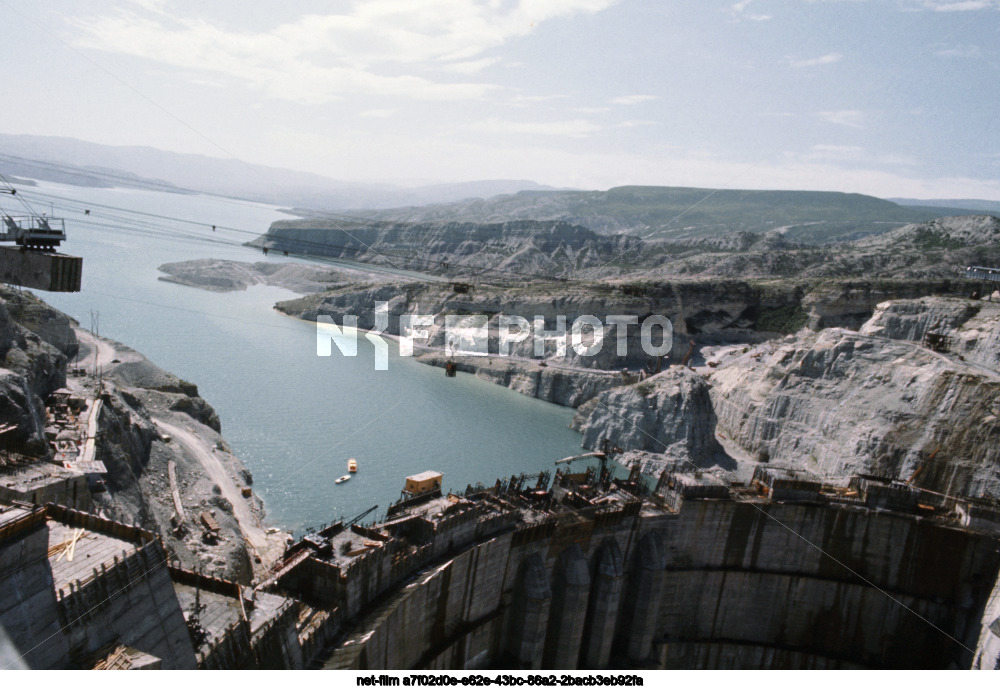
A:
[895,98]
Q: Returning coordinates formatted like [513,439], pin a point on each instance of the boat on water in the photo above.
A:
[352,465]
[342,479]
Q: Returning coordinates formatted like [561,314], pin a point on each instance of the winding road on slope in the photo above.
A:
[268,547]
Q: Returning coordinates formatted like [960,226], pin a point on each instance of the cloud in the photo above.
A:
[827,59]
[739,11]
[952,6]
[381,47]
[378,113]
[848,118]
[840,153]
[634,99]
[836,151]
[961,51]
[960,6]
[564,128]
[521,99]
[470,66]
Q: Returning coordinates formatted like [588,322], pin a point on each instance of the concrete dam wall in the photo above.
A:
[739,582]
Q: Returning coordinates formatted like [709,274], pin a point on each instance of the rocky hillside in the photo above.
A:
[35,341]
[219,275]
[711,310]
[515,251]
[495,249]
[834,402]
[141,405]
[938,249]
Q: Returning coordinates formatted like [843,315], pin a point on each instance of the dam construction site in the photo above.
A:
[787,441]
[500,342]
[825,498]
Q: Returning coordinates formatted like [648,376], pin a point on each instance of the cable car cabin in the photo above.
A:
[34,232]
[423,483]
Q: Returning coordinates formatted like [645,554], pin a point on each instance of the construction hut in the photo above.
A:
[786,484]
[423,483]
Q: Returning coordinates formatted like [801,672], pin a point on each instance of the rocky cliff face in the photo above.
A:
[970,329]
[137,455]
[670,413]
[739,311]
[535,247]
[562,386]
[937,249]
[837,402]
[34,343]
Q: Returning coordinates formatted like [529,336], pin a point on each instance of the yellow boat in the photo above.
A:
[352,465]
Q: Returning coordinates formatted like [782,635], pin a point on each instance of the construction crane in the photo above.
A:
[31,231]
[607,449]
[579,457]
[354,520]
[32,262]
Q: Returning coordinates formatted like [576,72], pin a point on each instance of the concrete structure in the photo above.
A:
[604,577]
[40,270]
[46,483]
[80,591]
[28,608]
[983,273]
[576,575]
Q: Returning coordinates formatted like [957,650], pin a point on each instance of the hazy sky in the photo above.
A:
[886,97]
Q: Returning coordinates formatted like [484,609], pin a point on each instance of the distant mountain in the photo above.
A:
[683,213]
[77,162]
[971,204]
[937,249]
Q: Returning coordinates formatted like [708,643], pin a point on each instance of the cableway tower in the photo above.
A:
[32,261]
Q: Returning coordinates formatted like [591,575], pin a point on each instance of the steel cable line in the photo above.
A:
[357,250]
[333,218]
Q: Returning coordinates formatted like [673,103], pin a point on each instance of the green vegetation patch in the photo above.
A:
[785,319]
[930,239]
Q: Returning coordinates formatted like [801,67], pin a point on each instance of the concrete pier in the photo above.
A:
[569,610]
[530,605]
[602,614]
[645,597]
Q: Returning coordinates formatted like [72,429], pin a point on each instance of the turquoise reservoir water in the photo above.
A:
[293,418]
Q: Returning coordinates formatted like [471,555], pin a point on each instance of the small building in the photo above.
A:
[787,484]
[417,484]
[886,494]
[983,273]
[677,487]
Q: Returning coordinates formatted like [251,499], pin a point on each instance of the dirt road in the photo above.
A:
[268,547]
